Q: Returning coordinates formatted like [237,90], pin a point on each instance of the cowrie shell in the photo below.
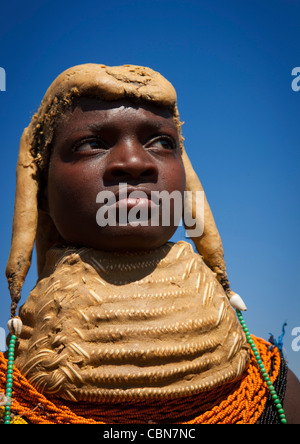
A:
[14,326]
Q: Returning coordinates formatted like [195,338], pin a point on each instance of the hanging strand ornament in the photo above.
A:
[15,327]
[264,373]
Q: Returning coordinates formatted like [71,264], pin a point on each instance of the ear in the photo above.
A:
[46,236]
[43,196]
[46,233]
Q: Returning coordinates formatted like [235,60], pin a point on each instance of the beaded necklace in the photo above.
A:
[262,368]
[9,378]
[265,376]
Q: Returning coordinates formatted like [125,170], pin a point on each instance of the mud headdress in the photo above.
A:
[30,224]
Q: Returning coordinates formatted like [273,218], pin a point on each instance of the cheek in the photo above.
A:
[181,174]
[173,176]
[71,195]
[173,180]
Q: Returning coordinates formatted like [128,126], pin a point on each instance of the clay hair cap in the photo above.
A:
[113,83]
[137,83]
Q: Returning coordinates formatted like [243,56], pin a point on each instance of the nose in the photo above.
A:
[130,162]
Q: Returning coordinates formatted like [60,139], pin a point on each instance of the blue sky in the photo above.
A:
[231,63]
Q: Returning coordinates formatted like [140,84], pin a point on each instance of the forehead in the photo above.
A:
[86,109]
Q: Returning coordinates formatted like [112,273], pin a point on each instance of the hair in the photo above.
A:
[136,83]
[31,224]
[45,127]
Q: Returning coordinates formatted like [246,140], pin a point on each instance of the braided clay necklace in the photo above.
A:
[15,328]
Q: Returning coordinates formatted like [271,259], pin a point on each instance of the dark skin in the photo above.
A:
[99,145]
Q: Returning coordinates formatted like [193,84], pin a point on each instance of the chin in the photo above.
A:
[132,238]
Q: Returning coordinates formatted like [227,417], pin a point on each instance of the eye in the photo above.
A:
[89,145]
[163,142]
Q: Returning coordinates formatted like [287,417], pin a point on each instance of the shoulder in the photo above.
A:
[291,403]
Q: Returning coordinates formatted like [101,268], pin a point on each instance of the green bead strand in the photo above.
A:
[9,378]
[262,369]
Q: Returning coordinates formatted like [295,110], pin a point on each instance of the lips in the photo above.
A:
[133,205]
[130,197]
[135,192]
[134,202]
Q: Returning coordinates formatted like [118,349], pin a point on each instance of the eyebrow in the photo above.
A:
[151,125]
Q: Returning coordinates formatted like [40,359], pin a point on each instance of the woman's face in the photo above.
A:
[100,145]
